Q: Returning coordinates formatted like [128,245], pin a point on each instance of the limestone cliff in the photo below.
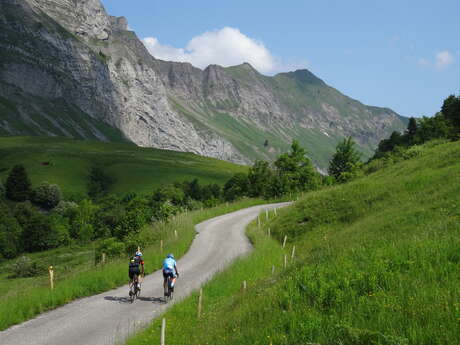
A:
[68,68]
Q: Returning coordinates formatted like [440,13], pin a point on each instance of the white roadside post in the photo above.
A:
[284,241]
[163,331]
[51,274]
[293,253]
[200,301]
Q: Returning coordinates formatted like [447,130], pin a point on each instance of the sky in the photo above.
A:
[402,54]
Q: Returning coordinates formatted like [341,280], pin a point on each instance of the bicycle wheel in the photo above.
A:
[132,294]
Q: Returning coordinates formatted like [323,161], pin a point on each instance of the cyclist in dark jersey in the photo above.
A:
[136,267]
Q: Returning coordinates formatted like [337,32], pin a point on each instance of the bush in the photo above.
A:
[18,186]
[47,195]
[26,267]
[10,234]
[111,247]
[38,233]
[64,206]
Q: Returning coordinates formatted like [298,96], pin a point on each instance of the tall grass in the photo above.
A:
[25,302]
[220,293]
[378,263]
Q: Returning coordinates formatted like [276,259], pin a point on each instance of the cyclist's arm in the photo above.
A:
[175,267]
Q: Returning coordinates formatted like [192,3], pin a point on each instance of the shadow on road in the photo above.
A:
[157,300]
[118,299]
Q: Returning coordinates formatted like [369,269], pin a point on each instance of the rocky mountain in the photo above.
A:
[68,68]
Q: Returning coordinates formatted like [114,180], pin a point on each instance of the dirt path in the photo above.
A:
[108,318]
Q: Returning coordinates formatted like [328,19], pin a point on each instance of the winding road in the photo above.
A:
[109,318]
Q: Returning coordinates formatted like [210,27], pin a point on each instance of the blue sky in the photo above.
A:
[401,54]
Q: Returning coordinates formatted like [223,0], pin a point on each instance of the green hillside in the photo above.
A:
[67,162]
[376,262]
[319,115]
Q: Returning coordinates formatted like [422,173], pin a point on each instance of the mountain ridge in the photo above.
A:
[104,70]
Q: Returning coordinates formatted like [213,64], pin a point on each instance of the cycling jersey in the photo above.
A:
[169,265]
[135,263]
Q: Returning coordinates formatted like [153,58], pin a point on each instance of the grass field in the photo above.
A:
[67,162]
[377,261]
[77,275]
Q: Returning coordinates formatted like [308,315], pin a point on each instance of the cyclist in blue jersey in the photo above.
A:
[169,270]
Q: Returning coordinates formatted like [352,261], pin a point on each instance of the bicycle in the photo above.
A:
[169,291]
[134,289]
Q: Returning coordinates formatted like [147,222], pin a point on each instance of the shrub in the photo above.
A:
[18,186]
[111,247]
[38,234]
[26,267]
[10,234]
[47,195]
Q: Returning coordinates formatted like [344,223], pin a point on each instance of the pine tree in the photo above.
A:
[18,186]
[412,127]
[345,161]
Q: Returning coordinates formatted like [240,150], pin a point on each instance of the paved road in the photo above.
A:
[108,318]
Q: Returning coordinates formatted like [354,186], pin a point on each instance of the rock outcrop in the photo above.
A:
[73,52]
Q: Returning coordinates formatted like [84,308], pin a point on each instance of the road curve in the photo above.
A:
[109,318]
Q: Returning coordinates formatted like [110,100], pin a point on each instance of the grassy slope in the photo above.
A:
[135,169]
[78,276]
[377,263]
[299,91]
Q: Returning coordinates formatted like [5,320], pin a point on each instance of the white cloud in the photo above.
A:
[423,62]
[225,47]
[443,59]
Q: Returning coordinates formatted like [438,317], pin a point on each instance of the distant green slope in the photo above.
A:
[67,162]
[310,111]
[376,263]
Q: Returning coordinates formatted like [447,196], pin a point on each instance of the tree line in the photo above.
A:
[39,218]
[443,125]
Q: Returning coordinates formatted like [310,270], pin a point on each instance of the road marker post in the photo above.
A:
[244,285]
[51,274]
[273,269]
[163,332]
[104,258]
[269,234]
[200,301]
[175,233]
[285,260]
[258,221]
[293,253]
[284,241]
[161,246]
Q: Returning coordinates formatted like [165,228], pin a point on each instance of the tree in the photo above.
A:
[47,195]
[296,169]
[451,110]
[18,186]
[435,127]
[10,234]
[345,161]
[259,176]
[99,182]
[38,233]
[236,187]
[411,128]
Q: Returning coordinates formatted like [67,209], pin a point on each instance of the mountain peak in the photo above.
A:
[303,76]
